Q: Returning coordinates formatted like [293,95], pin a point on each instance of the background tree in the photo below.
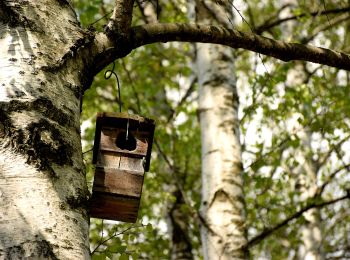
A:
[222,199]
[45,68]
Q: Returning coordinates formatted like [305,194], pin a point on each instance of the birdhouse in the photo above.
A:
[122,151]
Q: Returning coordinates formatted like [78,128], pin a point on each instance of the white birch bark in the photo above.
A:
[223,235]
[43,190]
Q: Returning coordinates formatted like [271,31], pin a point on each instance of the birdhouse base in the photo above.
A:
[114,207]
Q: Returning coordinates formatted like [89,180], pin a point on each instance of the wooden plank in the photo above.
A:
[131,164]
[115,160]
[108,159]
[112,117]
[107,206]
[118,182]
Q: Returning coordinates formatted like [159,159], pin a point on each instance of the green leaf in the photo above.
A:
[149,227]
[101,256]
[124,257]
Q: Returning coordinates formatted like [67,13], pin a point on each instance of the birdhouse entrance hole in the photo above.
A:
[126,141]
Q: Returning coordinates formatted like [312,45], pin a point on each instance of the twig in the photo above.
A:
[329,179]
[115,235]
[266,26]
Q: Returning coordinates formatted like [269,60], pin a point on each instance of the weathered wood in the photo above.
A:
[109,139]
[122,151]
[114,207]
[115,160]
[118,182]
[141,128]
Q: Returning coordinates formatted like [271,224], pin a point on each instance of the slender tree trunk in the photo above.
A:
[223,235]
[311,248]
[181,242]
[43,190]
[311,231]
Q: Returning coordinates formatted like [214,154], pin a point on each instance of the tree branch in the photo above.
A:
[152,33]
[104,49]
[268,25]
[255,240]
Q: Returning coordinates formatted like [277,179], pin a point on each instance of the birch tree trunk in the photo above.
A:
[43,190]
[224,234]
[311,234]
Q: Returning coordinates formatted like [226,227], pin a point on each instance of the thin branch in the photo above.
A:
[90,150]
[255,240]
[113,236]
[325,158]
[268,25]
[242,17]
[215,12]
[194,212]
[331,24]
[189,91]
[250,14]
[330,178]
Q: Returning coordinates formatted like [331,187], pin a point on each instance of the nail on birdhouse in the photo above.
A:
[122,151]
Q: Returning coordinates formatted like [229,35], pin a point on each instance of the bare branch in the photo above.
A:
[255,240]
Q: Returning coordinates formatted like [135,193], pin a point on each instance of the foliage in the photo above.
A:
[286,127]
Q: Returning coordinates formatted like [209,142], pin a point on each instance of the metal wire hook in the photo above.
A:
[111,72]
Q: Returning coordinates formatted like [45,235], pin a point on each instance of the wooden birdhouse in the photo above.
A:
[122,151]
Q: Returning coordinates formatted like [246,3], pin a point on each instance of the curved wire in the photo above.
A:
[111,72]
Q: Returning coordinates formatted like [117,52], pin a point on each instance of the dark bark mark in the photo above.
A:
[43,153]
[31,250]
[11,15]
[42,105]
[8,15]
[80,201]
[40,142]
